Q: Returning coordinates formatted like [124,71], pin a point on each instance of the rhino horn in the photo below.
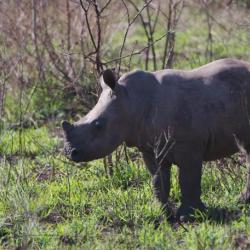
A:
[67,126]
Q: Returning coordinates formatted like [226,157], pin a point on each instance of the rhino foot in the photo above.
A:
[186,212]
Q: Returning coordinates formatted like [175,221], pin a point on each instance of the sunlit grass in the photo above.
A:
[47,202]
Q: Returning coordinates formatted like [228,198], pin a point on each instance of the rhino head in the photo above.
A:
[104,128]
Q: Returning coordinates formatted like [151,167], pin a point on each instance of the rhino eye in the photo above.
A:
[99,124]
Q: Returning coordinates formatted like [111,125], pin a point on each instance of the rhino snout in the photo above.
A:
[72,153]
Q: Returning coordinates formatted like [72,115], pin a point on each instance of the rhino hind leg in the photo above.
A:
[245,195]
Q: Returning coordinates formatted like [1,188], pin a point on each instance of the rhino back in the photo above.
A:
[208,106]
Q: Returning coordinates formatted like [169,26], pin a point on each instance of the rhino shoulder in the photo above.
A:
[133,75]
[139,79]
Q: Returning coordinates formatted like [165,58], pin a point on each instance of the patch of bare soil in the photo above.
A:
[46,172]
[53,218]
[68,240]
[241,241]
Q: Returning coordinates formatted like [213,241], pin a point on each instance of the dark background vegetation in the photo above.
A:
[51,56]
[52,52]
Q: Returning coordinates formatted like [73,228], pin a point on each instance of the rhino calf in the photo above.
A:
[172,117]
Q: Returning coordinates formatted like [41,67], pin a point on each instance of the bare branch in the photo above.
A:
[105,6]
[172,20]
[88,24]
[137,52]
[151,37]
[130,22]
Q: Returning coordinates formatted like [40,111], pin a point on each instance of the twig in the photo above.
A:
[137,52]
[172,21]
[130,22]
[105,6]
[151,37]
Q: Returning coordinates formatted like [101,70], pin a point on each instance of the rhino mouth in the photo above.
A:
[77,155]
[73,154]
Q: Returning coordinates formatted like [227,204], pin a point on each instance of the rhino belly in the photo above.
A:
[220,144]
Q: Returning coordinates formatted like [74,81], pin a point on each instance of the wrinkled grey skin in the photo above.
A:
[197,115]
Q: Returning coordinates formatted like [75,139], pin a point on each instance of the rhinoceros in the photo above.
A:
[181,117]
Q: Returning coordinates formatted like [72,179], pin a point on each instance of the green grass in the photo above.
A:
[47,202]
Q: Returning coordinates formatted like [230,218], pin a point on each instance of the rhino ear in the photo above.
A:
[109,78]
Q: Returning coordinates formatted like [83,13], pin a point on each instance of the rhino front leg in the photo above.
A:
[160,178]
[245,195]
[190,170]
